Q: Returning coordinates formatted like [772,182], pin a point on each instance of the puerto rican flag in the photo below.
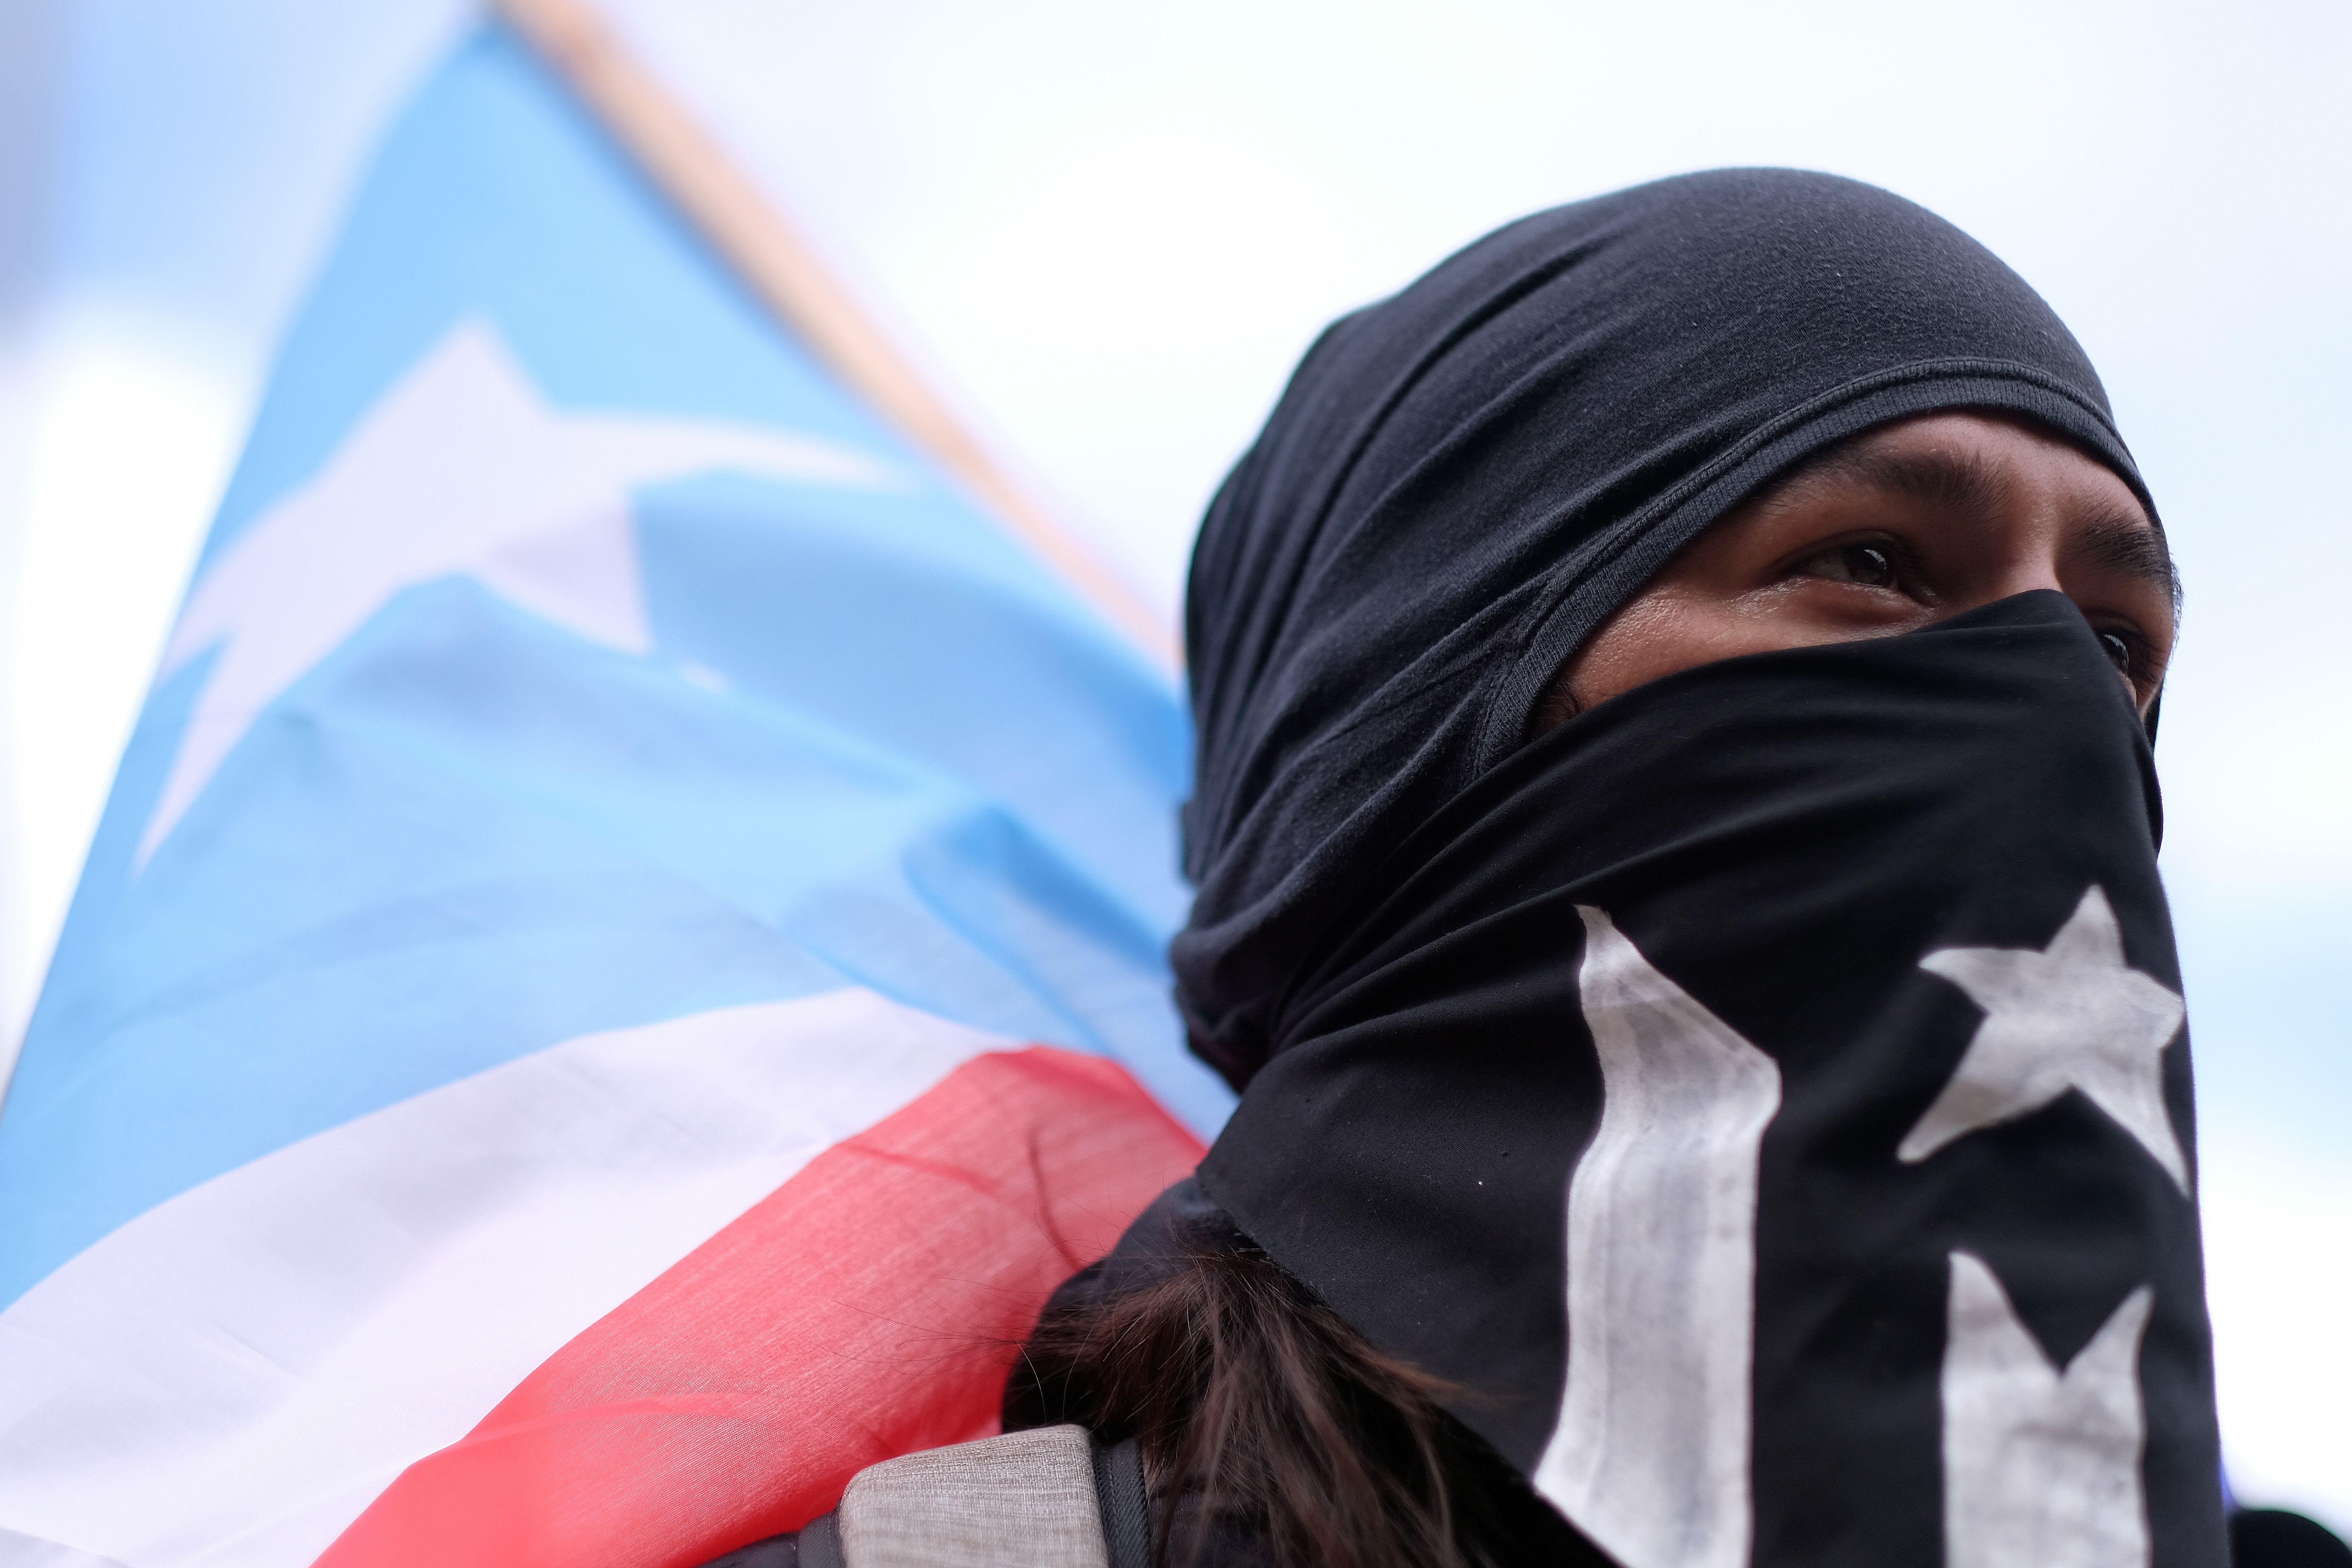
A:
[624,959]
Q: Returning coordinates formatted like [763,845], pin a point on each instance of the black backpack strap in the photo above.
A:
[776,1551]
[820,1543]
[1126,1506]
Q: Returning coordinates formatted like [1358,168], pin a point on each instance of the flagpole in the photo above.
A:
[747,229]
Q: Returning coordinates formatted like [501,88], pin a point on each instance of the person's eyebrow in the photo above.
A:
[1954,480]
[2124,541]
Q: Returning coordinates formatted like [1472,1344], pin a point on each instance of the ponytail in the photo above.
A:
[1262,1416]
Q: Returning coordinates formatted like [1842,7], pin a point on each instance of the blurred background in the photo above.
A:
[1107,231]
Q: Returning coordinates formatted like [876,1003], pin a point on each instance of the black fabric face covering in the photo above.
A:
[1765,1094]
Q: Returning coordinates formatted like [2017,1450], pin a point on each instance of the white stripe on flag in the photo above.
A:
[234,1375]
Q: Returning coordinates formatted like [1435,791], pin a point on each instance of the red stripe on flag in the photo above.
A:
[866,1307]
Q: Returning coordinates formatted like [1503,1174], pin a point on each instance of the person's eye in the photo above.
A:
[2123,651]
[1871,565]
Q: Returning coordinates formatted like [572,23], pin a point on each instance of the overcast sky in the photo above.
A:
[1108,230]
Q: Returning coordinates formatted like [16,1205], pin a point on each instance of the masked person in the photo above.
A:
[1675,837]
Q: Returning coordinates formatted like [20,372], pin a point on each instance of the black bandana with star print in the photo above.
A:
[1766,1097]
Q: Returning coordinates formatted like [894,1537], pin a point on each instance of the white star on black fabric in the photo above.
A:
[2072,1015]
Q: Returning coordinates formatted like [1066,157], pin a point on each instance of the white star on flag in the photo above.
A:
[2041,1466]
[2072,1015]
[462,468]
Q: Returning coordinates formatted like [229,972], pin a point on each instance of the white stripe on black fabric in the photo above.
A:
[1650,1457]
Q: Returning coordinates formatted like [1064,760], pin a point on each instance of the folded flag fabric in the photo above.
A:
[624,958]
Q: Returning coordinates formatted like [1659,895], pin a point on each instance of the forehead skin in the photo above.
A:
[1970,508]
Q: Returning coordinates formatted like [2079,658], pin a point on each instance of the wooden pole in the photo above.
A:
[746,228]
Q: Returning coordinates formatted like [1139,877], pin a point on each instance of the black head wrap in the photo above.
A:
[1464,481]
[1764,1096]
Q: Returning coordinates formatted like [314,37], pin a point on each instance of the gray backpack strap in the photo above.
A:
[1026,1500]
[1126,1505]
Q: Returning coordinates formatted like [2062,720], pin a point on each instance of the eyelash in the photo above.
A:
[1900,566]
